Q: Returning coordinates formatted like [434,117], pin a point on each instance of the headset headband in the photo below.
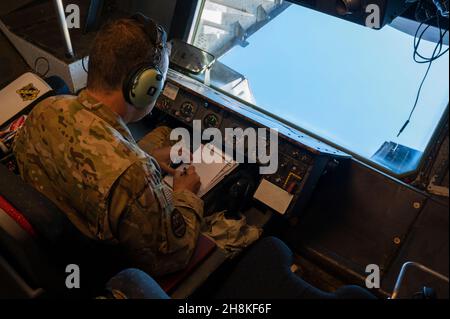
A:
[154,31]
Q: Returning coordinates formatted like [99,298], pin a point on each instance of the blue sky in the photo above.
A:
[352,85]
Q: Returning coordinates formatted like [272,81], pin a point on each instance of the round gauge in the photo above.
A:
[211,121]
[187,109]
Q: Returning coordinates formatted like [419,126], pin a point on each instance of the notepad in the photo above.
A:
[212,172]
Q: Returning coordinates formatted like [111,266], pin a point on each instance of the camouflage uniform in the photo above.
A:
[81,155]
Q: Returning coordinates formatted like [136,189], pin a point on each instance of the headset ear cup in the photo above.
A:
[143,87]
[128,84]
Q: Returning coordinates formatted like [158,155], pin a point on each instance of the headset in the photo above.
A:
[145,82]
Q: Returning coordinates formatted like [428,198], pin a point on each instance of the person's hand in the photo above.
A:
[187,180]
[162,156]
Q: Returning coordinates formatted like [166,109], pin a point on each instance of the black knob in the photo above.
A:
[347,7]
[237,196]
[425,293]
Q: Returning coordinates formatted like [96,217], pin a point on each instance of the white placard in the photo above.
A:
[273,196]
[19,94]
[171,91]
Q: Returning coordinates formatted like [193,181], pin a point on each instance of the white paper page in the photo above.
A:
[210,173]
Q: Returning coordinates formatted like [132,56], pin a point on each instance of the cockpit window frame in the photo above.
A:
[196,21]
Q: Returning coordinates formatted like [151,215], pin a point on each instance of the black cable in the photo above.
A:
[82,64]
[42,75]
[416,102]
[418,39]
[437,53]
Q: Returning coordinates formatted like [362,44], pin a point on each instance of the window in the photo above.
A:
[350,85]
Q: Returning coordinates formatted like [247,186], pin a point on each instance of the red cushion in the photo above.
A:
[205,246]
[17,216]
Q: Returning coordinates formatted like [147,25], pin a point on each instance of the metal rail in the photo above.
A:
[64,28]
[403,271]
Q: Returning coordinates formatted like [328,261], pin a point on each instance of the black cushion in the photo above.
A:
[134,284]
[47,220]
[58,242]
[265,273]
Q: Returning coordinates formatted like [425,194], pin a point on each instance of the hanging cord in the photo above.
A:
[421,59]
[43,74]
[83,65]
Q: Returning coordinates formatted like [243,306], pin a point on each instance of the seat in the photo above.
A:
[265,273]
[37,242]
[134,284]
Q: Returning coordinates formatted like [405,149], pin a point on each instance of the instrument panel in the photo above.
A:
[189,109]
[299,168]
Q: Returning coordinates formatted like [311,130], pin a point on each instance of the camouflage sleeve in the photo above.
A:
[157,240]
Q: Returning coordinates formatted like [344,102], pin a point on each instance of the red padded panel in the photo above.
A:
[17,216]
[205,246]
